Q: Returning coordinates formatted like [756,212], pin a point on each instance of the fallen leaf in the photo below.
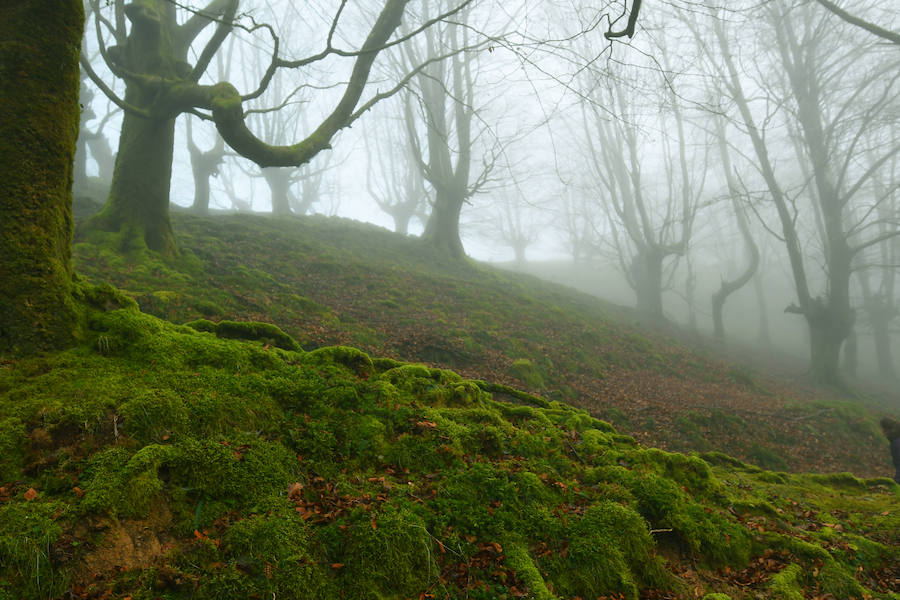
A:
[295,490]
[30,494]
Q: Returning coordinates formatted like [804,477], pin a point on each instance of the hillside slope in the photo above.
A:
[331,281]
[157,461]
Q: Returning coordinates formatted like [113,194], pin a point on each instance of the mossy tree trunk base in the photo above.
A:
[39,83]
[138,204]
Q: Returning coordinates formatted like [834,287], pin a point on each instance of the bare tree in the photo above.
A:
[151,56]
[837,113]
[647,227]
[730,286]
[393,176]
[445,91]
[204,164]
[872,28]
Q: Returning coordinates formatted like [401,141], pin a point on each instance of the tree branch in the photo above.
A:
[890,36]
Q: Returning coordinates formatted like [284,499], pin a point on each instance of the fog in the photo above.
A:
[749,146]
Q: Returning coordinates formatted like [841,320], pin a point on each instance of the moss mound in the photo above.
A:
[164,461]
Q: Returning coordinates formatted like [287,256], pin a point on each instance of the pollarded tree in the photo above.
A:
[151,51]
[39,118]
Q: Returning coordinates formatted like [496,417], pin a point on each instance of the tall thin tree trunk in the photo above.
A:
[38,127]
[201,186]
[765,335]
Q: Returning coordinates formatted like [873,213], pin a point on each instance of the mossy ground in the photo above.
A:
[335,282]
[159,461]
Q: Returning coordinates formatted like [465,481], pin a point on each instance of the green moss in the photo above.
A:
[12,447]
[153,415]
[390,554]
[525,371]
[315,477]
[609,549]
[838,480]
[518,559]
[27,533]
[39,117]
[264,332]
[279,543]
[358,363]
[838,580]
[766,458]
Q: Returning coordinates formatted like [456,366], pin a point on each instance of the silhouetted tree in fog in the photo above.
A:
[832,94]
[445,91]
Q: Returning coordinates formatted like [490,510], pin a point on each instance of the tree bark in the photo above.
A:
[138,203]
[442,230]
[39,48]
[647,270]
[279,180]
[139,197]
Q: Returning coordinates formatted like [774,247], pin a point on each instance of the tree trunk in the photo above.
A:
[279,180]
[401,221]
[139,197]
[883,353]
[39,118]
[851,354]
[647,272]
[825,351]
[881,314]
[202,173]
[765,336]
[442,230]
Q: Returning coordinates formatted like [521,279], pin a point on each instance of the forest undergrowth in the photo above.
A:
[221,460]
[331,281]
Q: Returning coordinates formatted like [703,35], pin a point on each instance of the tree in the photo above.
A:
[446,96]
[648,225]
[93,142]
[39,118]
[730,286]
[833,101]
[151,57]
[397,186]
[204,164]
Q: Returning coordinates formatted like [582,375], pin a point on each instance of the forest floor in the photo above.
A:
[331,281]
[211,454]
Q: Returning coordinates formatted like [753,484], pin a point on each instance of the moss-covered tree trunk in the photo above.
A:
[39,46]
[139,197]
[138,203]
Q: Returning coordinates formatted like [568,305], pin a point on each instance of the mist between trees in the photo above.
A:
[730,168]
